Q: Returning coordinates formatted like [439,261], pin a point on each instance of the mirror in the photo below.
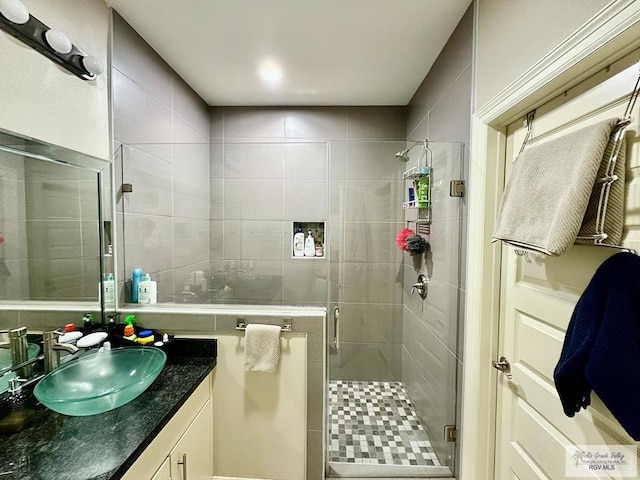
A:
[53,244]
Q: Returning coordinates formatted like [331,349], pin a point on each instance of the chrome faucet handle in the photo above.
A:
[52,335]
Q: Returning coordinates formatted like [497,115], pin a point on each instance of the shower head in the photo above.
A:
[404,154]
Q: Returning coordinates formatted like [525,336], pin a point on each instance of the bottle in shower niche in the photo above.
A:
[298,243]
[309,246]
[147,290]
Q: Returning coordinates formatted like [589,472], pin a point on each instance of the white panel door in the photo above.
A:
[538,295]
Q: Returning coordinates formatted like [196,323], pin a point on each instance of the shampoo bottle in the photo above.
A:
[147,290]
[309,246]
[298,243]
[135,281]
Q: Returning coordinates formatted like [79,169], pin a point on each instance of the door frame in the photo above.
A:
[608,36]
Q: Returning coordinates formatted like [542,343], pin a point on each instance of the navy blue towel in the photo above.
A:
[601,350]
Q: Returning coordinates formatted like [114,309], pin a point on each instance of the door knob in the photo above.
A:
[503,365]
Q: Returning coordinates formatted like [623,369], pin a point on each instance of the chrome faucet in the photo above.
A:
[18,345]
[19,349]
[52,350]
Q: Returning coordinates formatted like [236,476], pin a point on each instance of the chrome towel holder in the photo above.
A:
[287,324]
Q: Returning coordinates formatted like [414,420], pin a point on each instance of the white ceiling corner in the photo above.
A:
[330,52]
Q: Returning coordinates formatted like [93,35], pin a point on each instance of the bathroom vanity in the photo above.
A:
[154,431]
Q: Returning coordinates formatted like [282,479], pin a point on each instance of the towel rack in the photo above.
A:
[287,324]
[605,182]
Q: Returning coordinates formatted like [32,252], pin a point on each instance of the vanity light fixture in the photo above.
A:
[53,44]
[14,11]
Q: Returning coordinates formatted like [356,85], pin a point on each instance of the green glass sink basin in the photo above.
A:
[100,382]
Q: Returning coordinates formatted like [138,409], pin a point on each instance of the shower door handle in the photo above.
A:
[336,328]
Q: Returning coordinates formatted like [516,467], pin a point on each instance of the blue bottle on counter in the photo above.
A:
[135,281]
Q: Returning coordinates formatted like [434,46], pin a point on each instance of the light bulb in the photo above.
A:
[270,72]
[14,11]
[92,65]
[58,41]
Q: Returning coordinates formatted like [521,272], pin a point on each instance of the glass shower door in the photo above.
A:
[392,356]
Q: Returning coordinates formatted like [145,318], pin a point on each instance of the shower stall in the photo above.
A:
[393,356]
[224,235]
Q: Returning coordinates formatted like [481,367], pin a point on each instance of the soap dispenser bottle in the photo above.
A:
[309,246]
[147,290]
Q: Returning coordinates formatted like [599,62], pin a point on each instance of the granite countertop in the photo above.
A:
[103,447]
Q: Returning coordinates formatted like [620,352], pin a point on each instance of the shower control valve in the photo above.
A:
[420,286]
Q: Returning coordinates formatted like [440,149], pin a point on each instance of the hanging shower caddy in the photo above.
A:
[417,178]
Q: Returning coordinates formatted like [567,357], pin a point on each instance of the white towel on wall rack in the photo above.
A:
[547,195]
[261,347]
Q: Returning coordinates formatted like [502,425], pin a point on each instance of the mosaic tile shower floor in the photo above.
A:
[375,423]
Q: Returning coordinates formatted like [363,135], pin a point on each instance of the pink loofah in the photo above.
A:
[401,238]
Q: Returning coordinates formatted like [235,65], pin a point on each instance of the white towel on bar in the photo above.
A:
[261,348]
[547,194]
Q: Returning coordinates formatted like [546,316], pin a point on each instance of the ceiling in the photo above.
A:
[297,52]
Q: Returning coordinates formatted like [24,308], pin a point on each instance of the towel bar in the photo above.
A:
[285,327]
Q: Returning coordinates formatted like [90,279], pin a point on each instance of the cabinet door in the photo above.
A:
[191,458]
[164,472]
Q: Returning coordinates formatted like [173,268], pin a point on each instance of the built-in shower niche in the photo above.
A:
[318,232]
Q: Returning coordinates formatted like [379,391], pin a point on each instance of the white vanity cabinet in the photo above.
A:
[187,436]
[191,458]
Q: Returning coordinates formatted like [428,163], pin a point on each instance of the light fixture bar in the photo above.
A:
[33,34]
